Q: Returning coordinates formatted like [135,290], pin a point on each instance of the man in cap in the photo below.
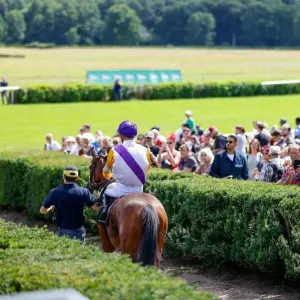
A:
[69,201]
[128,164]
[153,149]
[71,146]
[190,121]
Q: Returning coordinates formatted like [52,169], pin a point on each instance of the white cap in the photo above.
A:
[155,131]
[71,139]
[86,136]
[188,112]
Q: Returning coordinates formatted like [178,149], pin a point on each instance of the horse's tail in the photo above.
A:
[148,246]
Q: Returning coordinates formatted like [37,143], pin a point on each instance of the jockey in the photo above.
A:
[127,163]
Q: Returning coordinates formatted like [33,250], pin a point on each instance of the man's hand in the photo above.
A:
[290,173]
[44,210]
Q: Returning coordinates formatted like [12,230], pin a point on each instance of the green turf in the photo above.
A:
[65,65]
[24,126]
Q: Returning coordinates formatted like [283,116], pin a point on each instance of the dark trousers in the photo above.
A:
[4,95]
[118,96]
[78,234]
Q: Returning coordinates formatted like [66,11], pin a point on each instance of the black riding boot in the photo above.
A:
[106,202]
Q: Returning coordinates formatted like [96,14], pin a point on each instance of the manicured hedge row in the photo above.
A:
[80,92]
[35,259]
[254,225]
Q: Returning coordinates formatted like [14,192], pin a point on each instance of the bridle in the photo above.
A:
[97,184]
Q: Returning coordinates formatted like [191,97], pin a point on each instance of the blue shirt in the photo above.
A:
[69,201]
[96,146]
[297,132]
[223,166]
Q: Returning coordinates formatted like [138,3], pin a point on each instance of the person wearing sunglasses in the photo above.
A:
[168,157]
[229,163]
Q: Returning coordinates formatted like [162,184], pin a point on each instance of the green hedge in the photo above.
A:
[80,92]
[254,225]
[35,259]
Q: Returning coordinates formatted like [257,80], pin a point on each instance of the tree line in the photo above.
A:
[256,23]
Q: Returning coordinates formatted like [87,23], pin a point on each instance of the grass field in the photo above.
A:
[24,126]
[62,65]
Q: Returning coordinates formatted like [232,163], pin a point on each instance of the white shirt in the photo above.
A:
[121,171]
[53,146]
[91,137]
[126,180]
[266,132]
[241,144]
[178,133]
[230,156]
[73,149]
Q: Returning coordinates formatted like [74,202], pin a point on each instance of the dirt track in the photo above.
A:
[226,283]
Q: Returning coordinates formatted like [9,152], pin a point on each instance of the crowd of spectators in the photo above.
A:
[267,155]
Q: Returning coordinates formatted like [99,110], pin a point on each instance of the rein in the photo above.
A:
[93,184]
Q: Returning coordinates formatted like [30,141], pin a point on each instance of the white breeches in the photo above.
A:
[117,190]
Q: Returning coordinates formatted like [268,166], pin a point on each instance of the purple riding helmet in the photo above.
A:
[128,129]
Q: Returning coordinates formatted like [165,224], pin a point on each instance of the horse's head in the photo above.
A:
[97,180]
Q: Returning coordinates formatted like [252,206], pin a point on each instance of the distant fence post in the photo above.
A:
[11,89]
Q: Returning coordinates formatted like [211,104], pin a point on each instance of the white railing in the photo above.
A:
[10,89]
[280,82]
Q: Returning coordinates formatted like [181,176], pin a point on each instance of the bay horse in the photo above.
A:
[137,223]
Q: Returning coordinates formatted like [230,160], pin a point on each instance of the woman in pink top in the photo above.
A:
[168,157]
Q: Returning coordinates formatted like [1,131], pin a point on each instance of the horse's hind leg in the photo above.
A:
[106,244]
[161,236]
[130,236]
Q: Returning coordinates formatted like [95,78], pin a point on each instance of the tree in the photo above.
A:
[16,4]
[72,37]
[171,28]
[228,21]
[122,26]
[259,24]
[2,30]
[3,8]
[66,17]
[16,27]
[90,25]
[200,29]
